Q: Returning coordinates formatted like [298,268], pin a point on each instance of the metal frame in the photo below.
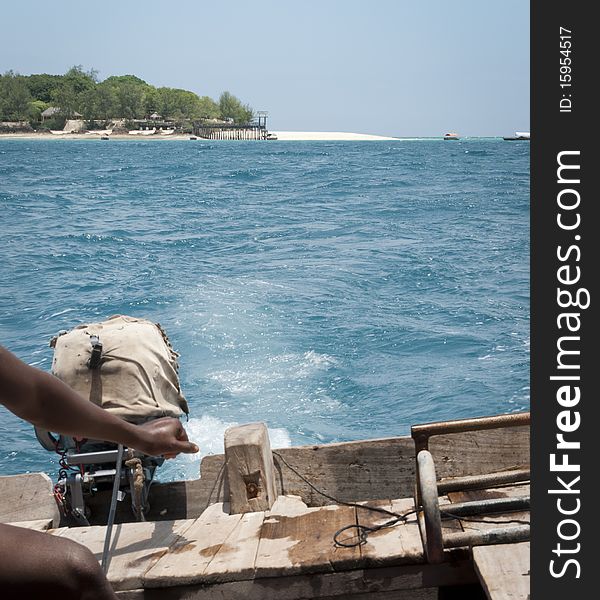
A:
[428,490]
[422,433]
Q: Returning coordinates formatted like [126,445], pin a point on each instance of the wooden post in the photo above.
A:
[249,468]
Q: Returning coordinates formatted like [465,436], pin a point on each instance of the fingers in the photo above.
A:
[188,448]
[169,438]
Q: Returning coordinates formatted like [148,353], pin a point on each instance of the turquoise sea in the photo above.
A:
[334,290]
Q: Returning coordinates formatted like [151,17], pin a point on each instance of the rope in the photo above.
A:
[135,464]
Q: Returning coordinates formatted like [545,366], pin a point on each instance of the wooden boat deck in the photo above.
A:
[285,553]
[190,551]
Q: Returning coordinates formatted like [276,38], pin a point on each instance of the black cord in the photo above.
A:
[363,530]
[354,504]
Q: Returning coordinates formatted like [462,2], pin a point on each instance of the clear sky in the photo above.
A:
[391,67]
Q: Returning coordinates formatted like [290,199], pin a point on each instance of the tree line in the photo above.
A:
[25,97]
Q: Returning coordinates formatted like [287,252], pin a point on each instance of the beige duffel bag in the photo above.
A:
[136,373]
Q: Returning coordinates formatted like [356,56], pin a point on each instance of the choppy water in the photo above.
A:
[335,290]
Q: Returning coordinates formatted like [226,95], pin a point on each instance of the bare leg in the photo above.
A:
[38,565]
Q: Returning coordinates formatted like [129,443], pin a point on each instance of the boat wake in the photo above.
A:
[207,432]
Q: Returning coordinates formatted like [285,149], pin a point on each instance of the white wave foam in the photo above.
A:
[258,375]
[207,432]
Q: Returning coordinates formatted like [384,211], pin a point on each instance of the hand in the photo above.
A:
[165,436]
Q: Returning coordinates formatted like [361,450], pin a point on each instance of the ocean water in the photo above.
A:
[335,290]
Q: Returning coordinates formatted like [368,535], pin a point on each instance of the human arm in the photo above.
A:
[47,402]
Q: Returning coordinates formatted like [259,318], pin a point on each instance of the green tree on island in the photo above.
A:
[14,97]
[25,97]
[232,108]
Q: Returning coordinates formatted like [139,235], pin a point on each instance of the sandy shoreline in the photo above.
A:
[328,136]
[290,136]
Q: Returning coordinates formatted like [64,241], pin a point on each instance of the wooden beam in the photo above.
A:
[325,586]
[210,593]
[350,471]
[249,468]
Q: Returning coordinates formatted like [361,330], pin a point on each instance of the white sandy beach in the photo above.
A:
[328,136]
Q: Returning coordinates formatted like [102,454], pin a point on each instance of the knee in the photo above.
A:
[85,576]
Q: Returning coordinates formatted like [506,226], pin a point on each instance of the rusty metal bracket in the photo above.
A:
[428,490]
[422,433]
[430,520]
[430,516]
[479,482]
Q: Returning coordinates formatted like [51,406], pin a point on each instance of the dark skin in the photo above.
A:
[34,564]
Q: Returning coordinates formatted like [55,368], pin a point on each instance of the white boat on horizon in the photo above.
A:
[519,135]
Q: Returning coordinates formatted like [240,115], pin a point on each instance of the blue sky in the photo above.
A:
[390,67]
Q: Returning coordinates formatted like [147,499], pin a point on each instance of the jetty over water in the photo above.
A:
[218,130]
[332,521]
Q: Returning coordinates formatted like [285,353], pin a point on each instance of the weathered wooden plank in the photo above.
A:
[26,498]
[37,525]
[478,452]
[234,560]
[399,544]
[131,594]
[503,569]
[187,559]
[297,539]
[326,586]
[349,471]
[249,468]
[217,593]
[135,547]
[370,469]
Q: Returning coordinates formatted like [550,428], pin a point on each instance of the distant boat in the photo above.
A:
[451,136]
[271,136]
[104,137]
[193,137]
[519,135]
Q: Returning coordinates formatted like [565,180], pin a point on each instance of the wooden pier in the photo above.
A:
[212,130]
[252,529]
